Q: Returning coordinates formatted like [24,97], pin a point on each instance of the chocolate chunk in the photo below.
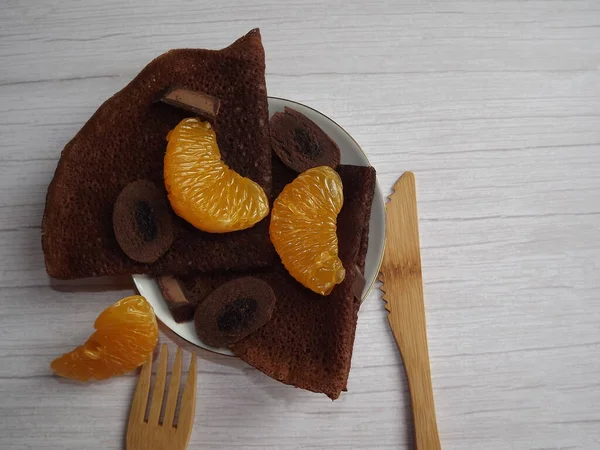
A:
[300,143]
[206,106]
[142,222]
[233,311]
[359,283]
[181,308]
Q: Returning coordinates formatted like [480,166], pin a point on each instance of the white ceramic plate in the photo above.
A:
[351,154]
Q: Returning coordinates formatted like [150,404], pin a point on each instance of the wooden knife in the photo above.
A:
[403,293]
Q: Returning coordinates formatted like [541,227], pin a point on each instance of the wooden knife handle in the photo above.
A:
[421,397]
[416,362]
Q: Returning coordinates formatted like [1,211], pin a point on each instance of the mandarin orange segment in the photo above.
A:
[303,229]
[202,189]
[126,333]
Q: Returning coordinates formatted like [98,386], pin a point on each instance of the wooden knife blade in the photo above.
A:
[403,293]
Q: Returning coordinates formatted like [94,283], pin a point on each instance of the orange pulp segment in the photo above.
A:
[303,229]
[126,333]
[202,189]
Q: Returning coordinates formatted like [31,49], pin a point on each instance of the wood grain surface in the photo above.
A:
[493,104]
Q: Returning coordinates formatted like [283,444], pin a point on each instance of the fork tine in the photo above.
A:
[159,386]
[173,391]
[140,398]
[188,401]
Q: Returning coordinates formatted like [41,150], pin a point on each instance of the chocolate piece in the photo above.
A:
[233,311]
[359,284]
[181,308]
[300,143]
[142,222]
[206,106]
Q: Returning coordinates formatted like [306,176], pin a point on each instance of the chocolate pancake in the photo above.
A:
[125,140]
[308,342]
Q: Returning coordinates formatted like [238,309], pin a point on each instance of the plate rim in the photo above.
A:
[378,197]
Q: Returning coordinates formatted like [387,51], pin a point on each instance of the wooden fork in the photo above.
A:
[150,435]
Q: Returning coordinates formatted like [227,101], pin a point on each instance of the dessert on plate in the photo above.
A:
[253,228]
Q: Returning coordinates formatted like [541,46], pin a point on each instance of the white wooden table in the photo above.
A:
[495,105]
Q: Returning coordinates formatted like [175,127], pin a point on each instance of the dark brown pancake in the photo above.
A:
[308,342]
[125,140]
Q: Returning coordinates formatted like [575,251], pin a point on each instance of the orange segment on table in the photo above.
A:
[126,334]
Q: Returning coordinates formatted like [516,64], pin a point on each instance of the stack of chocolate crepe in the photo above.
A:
[309,338]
